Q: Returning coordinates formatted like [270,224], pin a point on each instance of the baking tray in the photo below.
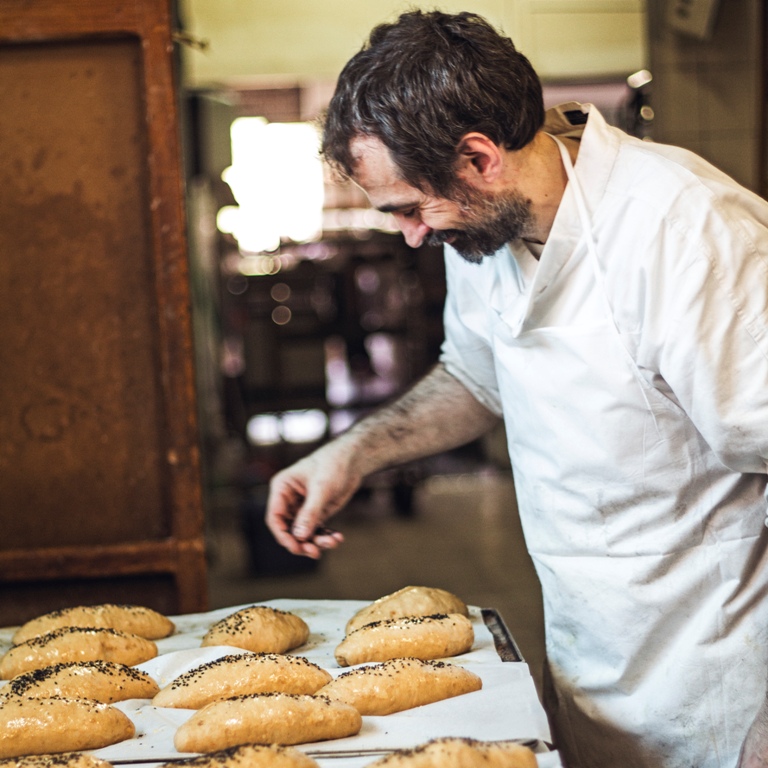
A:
[506,646]
[506,708]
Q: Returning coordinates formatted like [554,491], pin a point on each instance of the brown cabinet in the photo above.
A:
[100,493]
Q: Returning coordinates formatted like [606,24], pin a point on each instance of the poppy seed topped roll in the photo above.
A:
[421,637]
[260,629]
[60,760]
[246,756]
[448,752]
[400,684]
[40,726]
[133,619]
[267,718]
[76,644]
[237,675]
[105,681]
[408,601]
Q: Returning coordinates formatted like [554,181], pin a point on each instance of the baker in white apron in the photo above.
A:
[633,388]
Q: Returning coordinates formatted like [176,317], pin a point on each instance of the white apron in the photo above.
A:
[656,651]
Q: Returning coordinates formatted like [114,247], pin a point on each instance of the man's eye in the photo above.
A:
[410,213]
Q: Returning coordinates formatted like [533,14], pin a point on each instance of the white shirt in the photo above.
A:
[634,388]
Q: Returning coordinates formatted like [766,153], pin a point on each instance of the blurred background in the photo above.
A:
[345,321]
[163,364]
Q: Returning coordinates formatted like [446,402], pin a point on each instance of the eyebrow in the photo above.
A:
[395,207]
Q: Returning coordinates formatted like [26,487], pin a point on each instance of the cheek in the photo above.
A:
[445,219]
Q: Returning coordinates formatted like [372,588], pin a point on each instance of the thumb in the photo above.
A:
[308,518]
[320,504]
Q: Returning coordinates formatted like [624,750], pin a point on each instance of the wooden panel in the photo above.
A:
[80,411]
[65,592]
[98,438]
[56,20]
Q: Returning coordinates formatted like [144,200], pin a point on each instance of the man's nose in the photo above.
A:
[414,232]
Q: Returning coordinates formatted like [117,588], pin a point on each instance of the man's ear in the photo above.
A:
[480,159]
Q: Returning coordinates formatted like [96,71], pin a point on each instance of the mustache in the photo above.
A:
[442,236]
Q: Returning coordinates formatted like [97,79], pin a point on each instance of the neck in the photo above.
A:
[543,179]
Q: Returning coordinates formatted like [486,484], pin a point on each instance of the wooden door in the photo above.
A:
[100,496]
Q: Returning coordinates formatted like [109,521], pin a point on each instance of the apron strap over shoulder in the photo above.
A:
[586,223]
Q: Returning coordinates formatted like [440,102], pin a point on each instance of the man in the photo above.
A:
[608,298]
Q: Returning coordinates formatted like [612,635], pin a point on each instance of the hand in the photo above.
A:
[303,496]
[754,752]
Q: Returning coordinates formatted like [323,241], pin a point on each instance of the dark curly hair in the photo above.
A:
[422,83]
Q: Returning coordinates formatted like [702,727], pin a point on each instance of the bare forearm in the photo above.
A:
[438,413]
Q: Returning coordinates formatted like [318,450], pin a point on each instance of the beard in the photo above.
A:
[490,223]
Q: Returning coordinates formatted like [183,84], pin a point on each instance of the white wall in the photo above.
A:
[312,39]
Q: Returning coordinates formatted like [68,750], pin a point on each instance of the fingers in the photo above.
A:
[295,521]
[312,546]
[320,542]
[280,514]
[302,497]
[307,522]
[309,513]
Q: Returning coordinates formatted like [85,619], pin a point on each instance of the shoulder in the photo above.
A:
[679,183]
[663,194]
[670,185]
[673,230]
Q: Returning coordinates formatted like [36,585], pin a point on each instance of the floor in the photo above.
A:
[460,532]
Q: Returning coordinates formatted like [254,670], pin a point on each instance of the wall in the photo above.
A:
[312,39]
[707,92]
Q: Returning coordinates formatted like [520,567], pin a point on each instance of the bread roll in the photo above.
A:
[267,718]
[247,756]
[237,675]
[398,684]
[68,760]
[104,681]
[460,753]
[76,644]
[260,629]
[420,637]
[134,619]
[40,726]
[408,601]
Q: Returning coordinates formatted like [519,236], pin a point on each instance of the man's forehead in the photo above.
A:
[375,171]
[370,149]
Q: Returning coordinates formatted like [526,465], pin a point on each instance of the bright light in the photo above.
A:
[304,426]
[276,177]
[264,429]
